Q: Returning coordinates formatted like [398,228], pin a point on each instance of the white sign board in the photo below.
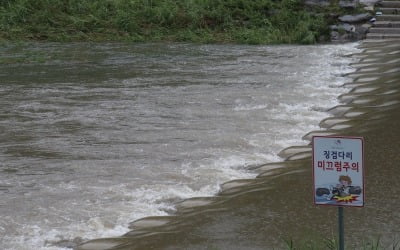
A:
[338,171]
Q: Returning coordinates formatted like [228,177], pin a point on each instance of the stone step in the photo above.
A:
[385,30]
[387,24]
[389,4]
[390,11]
[388,18]
[382,36]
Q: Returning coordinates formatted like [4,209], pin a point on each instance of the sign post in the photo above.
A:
[338,174]
[341,227]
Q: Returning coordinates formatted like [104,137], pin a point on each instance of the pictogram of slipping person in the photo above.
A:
[342,192]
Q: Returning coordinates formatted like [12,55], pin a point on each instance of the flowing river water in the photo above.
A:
[95,136]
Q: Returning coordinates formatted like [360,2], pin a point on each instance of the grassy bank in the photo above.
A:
[221,21]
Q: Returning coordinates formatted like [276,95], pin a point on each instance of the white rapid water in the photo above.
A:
[101,135]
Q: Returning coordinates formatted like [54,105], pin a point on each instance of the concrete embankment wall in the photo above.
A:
[278,204]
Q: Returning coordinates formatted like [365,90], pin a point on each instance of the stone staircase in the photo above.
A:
[387,24]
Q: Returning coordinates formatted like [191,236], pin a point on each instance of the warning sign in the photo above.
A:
[338,171]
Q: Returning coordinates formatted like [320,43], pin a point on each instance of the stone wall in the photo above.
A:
[347,27]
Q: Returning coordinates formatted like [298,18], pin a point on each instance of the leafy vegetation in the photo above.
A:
[222,21]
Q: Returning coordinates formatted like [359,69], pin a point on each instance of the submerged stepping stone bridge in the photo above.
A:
[387,24]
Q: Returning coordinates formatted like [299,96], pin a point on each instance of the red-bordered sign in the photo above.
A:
[338,171]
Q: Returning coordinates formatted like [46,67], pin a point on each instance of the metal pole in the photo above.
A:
[341,228]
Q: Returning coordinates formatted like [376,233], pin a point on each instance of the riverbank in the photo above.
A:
[253,214]
[236,21]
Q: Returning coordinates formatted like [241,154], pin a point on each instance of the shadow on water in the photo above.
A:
[261,213]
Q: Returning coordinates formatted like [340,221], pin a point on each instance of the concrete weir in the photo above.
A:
[387,24]
[262,213]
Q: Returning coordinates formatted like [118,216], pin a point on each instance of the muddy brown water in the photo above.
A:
[262,213]
[97,137]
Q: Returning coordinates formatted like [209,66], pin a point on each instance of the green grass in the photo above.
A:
[204,21]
